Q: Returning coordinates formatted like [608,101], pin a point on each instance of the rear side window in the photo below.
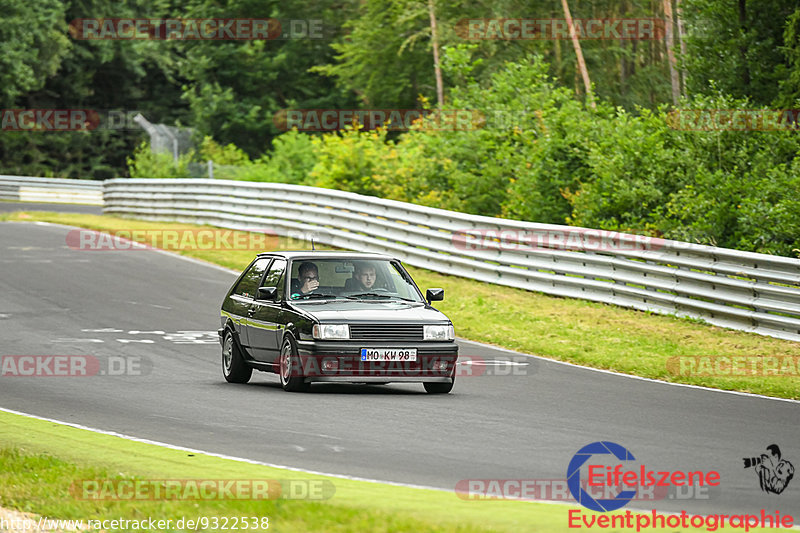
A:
[248,285]
[275,277]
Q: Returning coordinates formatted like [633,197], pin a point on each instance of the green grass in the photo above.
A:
[577,331]
[39,461]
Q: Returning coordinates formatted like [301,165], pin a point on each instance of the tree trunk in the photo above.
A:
[579,53]
[743,46]
[623,67]
[557,47]
[681,33]
[436,66]
[673,66]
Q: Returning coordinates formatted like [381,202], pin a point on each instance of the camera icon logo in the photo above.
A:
[774,472]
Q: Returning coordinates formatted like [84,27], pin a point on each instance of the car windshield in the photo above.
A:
[351,279]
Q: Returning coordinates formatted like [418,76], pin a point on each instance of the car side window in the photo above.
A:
[248,285]
[275,277]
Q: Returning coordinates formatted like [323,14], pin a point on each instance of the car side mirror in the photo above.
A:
[267,293]
[434,295]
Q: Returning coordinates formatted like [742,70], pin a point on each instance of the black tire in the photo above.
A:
[234,368]
[439,388]
[289,364]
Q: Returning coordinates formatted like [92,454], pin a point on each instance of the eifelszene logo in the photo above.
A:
[774,473]
[597,460]
[574,476]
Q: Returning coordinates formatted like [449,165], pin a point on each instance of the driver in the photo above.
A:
[309,277]
[365,276]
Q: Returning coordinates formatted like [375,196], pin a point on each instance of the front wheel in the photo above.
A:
[289,369]
[439,388]
[233,366]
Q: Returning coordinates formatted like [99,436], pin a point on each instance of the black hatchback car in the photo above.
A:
[335,317]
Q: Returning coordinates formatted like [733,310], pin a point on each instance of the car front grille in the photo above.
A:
[389,332]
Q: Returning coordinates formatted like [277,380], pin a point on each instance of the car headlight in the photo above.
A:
[439,333]
[331,331]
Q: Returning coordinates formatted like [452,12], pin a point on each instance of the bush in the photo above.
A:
[146,164]
[541,155]
[290,161]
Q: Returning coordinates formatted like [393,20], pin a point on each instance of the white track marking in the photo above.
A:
[545,359]
[217,455]
[736,393]
[289,468]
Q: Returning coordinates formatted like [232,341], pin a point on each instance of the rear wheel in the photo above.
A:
[233,366]
[439,388]
[289,369]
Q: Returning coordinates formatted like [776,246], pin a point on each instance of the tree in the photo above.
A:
[234,88]
[32,46]
[384,57]
[670,39]
[57,71]
[790,87]
[733,47]
[436,66]
[579,53]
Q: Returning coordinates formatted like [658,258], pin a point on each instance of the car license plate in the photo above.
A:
[388,354]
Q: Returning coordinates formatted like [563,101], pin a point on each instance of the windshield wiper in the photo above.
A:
[315,295]
[365,294]
[382,296]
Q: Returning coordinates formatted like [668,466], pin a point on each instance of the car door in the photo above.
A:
[265,324]
[242,298]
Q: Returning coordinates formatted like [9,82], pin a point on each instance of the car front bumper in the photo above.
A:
[435,363]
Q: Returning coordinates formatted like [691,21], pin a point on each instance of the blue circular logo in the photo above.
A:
[574,476]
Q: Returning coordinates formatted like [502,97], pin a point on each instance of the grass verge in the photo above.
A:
[39,461]
[577,331]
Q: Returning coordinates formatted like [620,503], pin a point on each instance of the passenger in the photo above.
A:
[364,277]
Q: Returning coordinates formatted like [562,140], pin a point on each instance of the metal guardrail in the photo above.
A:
[51,190]
[739,290]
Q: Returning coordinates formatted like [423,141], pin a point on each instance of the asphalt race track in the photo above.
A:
[161,312]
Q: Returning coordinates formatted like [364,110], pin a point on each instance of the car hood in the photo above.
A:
[371,311]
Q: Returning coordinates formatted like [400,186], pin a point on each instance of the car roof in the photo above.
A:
[326,254]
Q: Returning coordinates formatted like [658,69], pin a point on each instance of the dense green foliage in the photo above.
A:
[535,150]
